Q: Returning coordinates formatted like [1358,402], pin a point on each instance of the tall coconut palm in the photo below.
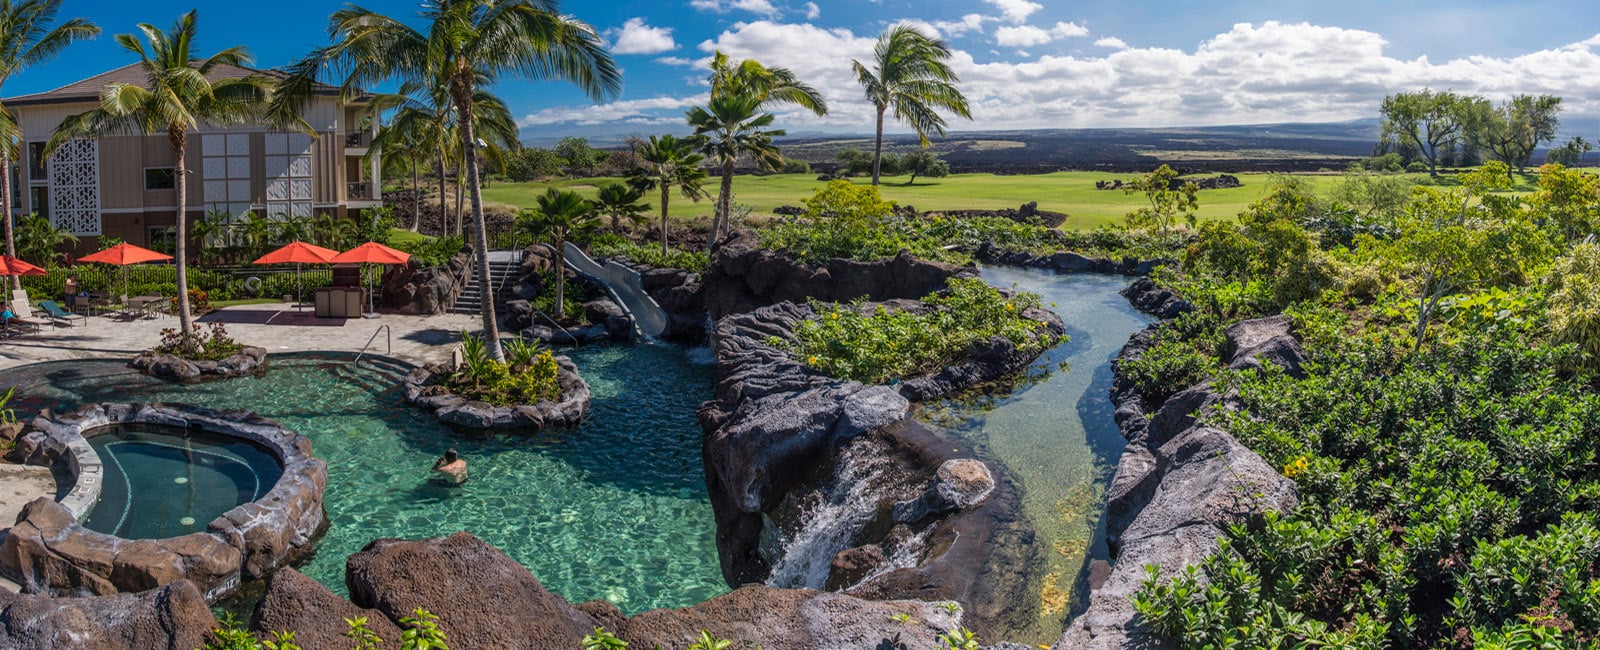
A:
[27,38]
[620,203]
[466,44]
[669,162]
[403,144]
[770,85]
[177,95]
[911,76]
[731,127]
[560,215]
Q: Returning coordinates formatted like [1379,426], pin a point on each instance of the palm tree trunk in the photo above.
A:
[444,219]
[179,147]
[724,205]
[469,145]
[460,227]
[5,210]
[666,192]
[561,275]
[416,198]
[877,150]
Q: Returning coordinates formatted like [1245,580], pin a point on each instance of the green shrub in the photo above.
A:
[650,255]
[527,376]
[1573,308]
[200,345]
[885,345]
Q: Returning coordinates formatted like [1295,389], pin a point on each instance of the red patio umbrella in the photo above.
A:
[372,253]
[12,266]
[298,253]
[123,255]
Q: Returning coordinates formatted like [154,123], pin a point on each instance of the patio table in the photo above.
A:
[140,305]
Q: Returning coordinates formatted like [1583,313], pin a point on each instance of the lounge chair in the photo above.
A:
[59,315]
[16,327]
[19,304]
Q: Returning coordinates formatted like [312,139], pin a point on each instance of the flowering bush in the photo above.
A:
[215,345]
[527,376]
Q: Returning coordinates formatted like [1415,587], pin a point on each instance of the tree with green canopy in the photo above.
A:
[910,75]
[619,202]
[465,45]
[560,215]
[177,95]
[1511,130]
[29,36]
[1169,199]
[728,128]
[1432,122]
[769,85]
[669,162]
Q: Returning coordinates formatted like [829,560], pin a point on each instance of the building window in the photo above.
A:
[36,161]
[160,178]
[225,159]
[75,187]
[289,175]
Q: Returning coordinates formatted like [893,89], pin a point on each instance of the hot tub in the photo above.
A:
[162,481]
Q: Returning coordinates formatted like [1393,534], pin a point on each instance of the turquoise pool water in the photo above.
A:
[616,510]
[166,481]
[1053,430]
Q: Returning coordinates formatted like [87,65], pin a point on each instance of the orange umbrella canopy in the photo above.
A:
[299,253]
[12,266]
[125,254]
[371,253]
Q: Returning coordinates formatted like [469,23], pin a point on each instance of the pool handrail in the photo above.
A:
[388,342]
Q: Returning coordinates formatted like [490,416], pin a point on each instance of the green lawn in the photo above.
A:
[1070,192]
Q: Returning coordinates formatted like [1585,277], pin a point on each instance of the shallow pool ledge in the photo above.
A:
[49,552]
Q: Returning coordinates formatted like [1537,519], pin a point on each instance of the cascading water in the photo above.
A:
[866,477]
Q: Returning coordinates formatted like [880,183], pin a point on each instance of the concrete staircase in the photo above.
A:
[501,271]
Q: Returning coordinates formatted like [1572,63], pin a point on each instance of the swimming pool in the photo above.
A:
[616,509]
[164,482]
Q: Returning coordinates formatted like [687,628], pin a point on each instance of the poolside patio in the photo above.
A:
[276,327]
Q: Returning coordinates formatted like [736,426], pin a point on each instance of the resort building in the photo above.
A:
[124,186]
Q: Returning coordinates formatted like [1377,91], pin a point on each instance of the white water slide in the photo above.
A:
[623,283]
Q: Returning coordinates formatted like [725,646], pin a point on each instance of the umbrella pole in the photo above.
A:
[299,286]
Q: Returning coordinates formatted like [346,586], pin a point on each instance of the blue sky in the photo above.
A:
[1025,63]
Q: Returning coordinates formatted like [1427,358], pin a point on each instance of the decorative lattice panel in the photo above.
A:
[75,187]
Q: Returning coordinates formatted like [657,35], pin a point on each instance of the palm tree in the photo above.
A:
[729,128]
[207,231]
[467,44]
[560,215]
[669,162]
[407,143]
[26,40]
[178,94]
[910,75]
[38,239]
[618,202]
[331,231]
[770,85]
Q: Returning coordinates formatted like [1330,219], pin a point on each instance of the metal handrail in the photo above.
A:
[388,342]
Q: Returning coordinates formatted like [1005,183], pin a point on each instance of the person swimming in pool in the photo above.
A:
[450,468]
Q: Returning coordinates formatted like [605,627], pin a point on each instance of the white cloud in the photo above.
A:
[678,61]
[1015,11]
[1112,42]
[635,37]
[762,7]
[1251,73]
[813,11]
[955,28]
[1028,35]
[623,111]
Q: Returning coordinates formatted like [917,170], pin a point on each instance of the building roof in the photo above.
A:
[88,90]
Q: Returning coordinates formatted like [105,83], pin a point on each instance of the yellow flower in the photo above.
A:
[812,360]
[1296,467]
[1010,307]
[836,315]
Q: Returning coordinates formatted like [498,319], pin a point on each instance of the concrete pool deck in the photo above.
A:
[276,327]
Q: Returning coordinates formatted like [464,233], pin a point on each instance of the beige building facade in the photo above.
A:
[124,186]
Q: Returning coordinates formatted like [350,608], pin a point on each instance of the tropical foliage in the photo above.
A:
[730,128]
[1441,440]
[669,163]
[880,345]
[562,215]
[419,631]
[527,376]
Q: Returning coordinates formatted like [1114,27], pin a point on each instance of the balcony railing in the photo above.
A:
[359,191]
[358,140]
